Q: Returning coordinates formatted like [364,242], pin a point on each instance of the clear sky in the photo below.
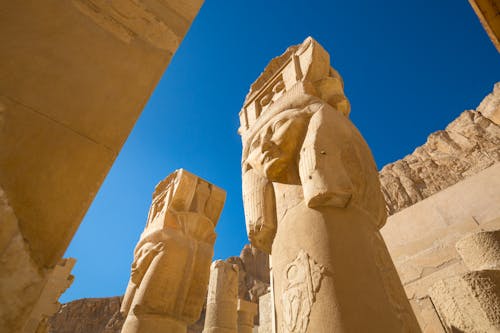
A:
[409,67]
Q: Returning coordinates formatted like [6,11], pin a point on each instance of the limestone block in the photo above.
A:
[469,302]
[58,280]
[171,264]
[246,314]
[312,197]
[481,250]
[222,299]
[266,314]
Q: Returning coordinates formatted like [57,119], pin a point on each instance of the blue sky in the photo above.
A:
[409,67]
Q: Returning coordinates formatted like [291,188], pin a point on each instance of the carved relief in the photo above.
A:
[303,278]
[129,19]
[171,264]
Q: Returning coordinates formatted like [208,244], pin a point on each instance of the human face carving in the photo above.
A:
[274,148]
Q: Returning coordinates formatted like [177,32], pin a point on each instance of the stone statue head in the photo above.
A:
[182,191]
[295,130]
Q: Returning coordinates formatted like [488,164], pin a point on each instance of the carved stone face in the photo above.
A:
[273,150]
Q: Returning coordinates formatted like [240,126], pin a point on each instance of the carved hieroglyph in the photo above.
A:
[311,191]
[303,278]
[171,265]
[222,298]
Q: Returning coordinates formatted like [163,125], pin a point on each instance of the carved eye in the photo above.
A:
[278,124]
[266,99]
[279,87]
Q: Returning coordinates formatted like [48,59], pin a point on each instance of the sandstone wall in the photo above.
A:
[422,238]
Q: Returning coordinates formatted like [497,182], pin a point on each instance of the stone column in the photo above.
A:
[312,197]
[171,265]
[266,314]
[470,302]
[246,315]
[222,298]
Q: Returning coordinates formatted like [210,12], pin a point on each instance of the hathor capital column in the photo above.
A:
[312,199]
[222,298]
[171,265]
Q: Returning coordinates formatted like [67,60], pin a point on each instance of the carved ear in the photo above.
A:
[260,210]
[325,181]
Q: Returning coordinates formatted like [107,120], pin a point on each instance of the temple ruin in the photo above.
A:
[414,247]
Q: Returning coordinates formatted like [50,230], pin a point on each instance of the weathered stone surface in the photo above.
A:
[246,314]
[480,250]
[171,266]
[86,315]
[57,281]
[253,274]
[305,164]
[470,302]
[469,144]
[422,238]
[490,106]
[427,316]
[266,314]
[222,299]
[256,263]
[21,280]
[76,75]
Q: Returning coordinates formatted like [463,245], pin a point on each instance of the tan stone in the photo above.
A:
[222,299]
[481,250]
[88,315]
[427,316]
[312,197]
[76,74]
[487,12]
[490,105]
[20,276]
[246,314]
[172,258]
[266,314]
[421,239]
[470,302]
[468,145]
[58,280]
